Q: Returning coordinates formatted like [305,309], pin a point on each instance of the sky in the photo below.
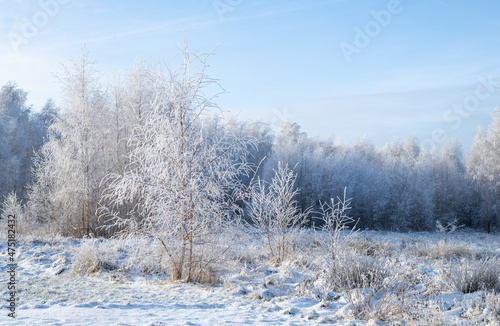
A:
[341,69]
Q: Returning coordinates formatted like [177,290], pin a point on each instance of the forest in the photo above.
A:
[75,168]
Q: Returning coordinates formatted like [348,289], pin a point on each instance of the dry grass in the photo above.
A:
[382,305]
[351,271]
[381,280]
[441,250]
[85,258]
[470,276]
[473,310]
[368,245]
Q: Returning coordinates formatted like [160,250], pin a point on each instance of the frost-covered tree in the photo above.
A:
[13,140]
[183,171]
[396,187]
[453,196]
[483,168]
[78,154]
[260,152]
[21,133]
[139,93]
[407,197]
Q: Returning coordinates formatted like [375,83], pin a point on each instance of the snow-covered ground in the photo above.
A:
[418,285]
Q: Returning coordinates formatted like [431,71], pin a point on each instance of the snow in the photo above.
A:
[250,293]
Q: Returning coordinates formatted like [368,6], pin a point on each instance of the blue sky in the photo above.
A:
[428,68]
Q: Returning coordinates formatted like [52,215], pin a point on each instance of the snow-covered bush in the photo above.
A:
[275,211]
[338,225]
[246,249]
[94,255]
[144,256]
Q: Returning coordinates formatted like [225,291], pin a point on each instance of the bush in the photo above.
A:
[275,211]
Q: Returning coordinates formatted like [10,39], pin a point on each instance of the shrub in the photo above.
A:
[338,225]
[275,211]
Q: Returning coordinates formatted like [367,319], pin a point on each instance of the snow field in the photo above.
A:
[383,278]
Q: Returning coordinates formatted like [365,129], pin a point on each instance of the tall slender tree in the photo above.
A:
[184,169]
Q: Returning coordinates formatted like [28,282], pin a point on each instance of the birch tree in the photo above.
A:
[183,173]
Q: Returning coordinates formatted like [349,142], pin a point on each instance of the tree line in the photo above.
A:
[149,151]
